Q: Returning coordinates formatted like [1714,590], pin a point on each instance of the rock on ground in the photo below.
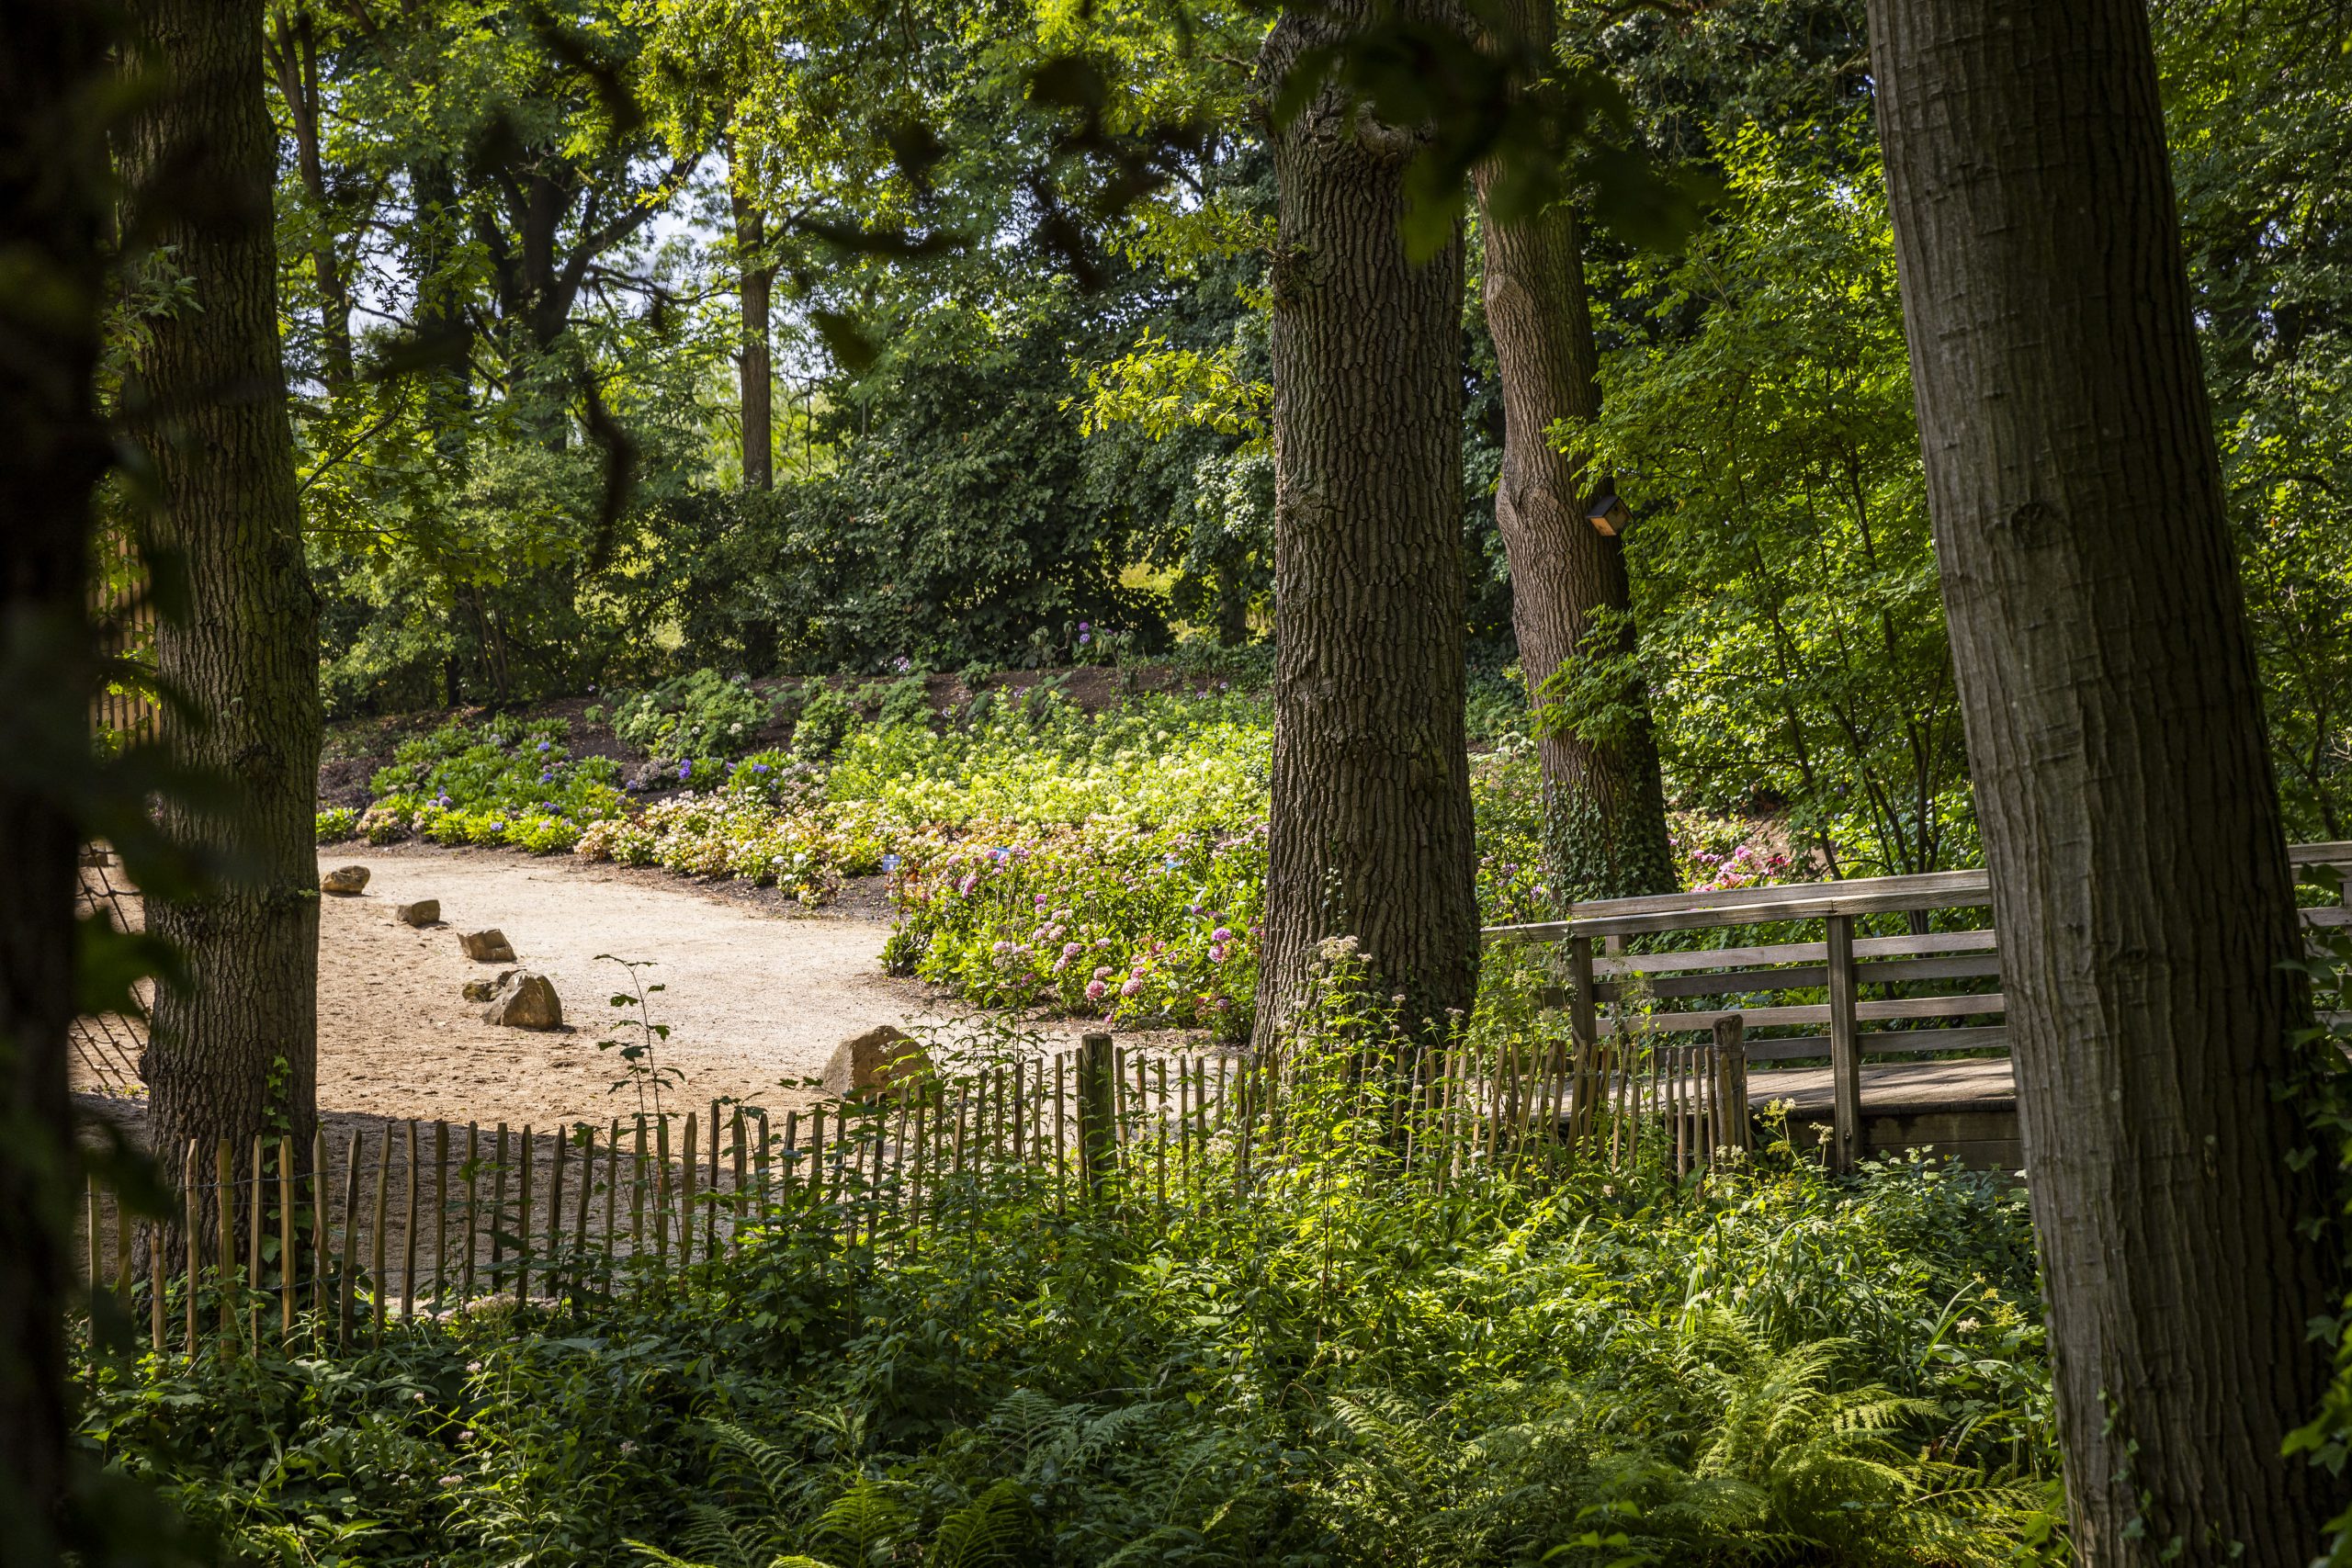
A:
[487,947]
[524,1000]
[345,880]
[424,912]
[880,1059]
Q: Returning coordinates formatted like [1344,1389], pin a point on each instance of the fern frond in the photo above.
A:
[866,1518]
[983,1530]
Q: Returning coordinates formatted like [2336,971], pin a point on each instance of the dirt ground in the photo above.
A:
[757,991]
[755,998]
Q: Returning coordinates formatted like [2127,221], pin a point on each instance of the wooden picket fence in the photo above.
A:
[380,1226]
[107,1047]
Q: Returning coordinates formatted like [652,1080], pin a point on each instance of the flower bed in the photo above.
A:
[1142,926]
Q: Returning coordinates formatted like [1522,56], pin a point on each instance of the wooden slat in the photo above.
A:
[1951,886]
[1699,1022]
[2330,852]
[1874,947]
[1808,976]
[1885,1042]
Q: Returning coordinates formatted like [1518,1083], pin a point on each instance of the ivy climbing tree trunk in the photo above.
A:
[1371,834]
[1604,802]
[2108,684]
[55,61]
[235,1050]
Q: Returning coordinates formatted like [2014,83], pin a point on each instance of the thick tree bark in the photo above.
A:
[1370,832]
[2114,728]
[54,77]
[1604,802]
[234,1051]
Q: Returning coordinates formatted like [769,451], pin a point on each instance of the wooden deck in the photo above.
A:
[1964,1110]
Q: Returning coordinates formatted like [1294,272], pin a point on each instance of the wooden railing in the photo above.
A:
[1683,988]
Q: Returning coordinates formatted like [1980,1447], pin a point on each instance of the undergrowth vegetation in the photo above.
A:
[1322,1364]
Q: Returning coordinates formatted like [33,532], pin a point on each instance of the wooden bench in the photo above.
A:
[1683,990]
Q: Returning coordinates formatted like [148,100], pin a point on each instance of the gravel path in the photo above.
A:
[756,994]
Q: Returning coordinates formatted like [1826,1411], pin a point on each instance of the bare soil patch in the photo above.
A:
[755,997]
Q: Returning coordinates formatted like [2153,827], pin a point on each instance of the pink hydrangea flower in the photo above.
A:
[1094,989]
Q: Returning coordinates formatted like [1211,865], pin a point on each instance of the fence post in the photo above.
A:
[1845,1048]
[1097,1137]
[1731,1072]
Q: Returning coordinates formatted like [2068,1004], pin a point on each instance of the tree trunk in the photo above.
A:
[55,68]
[758,385]
[1604,804]
[1370,832]
[2108,684]
[294,61]
[234,1051]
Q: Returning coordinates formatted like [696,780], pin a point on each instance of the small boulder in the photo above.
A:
[881,1061]
[424,912]
[345,880]
[479,990]
[487,947]
[524,1000]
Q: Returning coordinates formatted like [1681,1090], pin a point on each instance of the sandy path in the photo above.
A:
[753,997]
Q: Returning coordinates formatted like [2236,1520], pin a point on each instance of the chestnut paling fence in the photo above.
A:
[371,1227]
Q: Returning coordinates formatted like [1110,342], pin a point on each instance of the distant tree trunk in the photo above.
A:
[294,61]
[1232,607]
[235,1050]
[758,382]
[1371,828]
[2130,824]
[1604,802]
[756,375]
[55,71]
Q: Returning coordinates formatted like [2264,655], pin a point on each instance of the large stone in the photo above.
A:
[345,880]
[424,912]
[882,1060]
[524,1000]
[487,947]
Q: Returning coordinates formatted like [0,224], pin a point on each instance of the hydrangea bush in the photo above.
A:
[701,715]
[1146,927]
[505,783]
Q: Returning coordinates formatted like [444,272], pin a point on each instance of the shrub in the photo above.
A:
[336,822]
[700,715]
[502,783]
[1142,927]
[825,718]
[906,701]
